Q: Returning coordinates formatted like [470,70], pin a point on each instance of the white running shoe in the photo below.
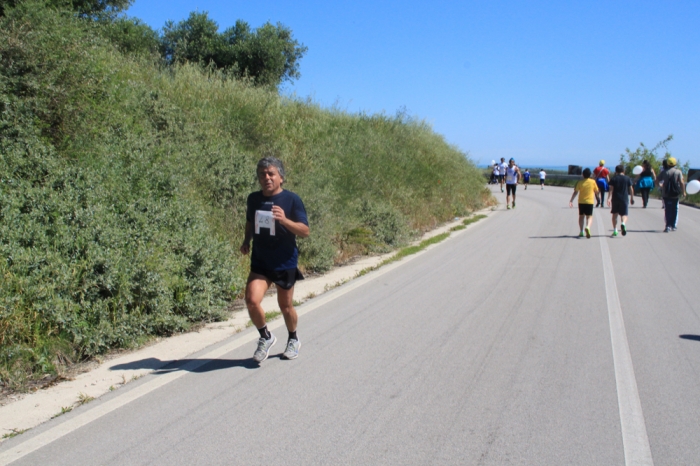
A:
[264,348]
[292,351]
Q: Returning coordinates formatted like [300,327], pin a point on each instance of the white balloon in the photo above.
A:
[693,187]
[637,170]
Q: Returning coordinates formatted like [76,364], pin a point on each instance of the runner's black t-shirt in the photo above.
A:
[274,247]
[621,188]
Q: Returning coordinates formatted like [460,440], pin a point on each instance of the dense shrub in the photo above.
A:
[123,186]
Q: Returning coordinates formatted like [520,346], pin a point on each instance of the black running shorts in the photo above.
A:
[285,279]
[617,207]
[585,209]
[510,188]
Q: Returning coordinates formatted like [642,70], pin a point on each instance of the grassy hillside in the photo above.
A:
[123,187]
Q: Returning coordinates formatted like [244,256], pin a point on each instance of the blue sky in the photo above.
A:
[546,82]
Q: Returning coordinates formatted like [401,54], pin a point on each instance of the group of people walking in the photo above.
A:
[620,187]
[621,193]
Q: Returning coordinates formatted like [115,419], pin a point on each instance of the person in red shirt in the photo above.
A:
[601,175]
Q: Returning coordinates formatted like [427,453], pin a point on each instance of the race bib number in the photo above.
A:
[264,219]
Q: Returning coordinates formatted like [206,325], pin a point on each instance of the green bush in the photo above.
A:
[123,187]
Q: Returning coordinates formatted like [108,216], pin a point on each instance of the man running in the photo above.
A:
[512,177]
[502,172]
[620,188]
[543,175]
[602,178]
[526,178]
[274,218]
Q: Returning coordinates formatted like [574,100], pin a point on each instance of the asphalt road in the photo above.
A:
[514,342]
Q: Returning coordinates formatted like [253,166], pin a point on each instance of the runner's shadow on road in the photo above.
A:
[558,237]
[644,231]
[690,337]
[190,365]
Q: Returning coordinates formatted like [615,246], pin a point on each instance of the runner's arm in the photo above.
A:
[299,229]
[573,196]
[245,247]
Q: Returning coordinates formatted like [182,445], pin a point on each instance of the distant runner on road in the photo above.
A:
[512,177]
[494,174]
[602,178]
[588,189]
[620,189]
[543,175]
[526,178]
[502,172]
[274,218]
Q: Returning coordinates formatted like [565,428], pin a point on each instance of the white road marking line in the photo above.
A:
[634,431]
[65,428]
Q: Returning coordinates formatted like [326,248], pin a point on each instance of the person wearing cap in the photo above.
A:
[512,177]
[672,190]
[602,179]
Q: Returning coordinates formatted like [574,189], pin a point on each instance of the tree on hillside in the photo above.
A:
[195,39]
[268,55]
[82,7]
[131,35]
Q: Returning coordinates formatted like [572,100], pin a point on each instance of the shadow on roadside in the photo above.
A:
[190,365]
[690,337]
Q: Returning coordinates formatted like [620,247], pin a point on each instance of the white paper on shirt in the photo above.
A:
[264,219]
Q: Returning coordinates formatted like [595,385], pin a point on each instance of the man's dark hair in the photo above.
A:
[619,169]
[271,162]
[586,173]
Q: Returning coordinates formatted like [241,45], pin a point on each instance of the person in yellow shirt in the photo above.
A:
[586,189]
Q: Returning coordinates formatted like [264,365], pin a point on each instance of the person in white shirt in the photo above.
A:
[543,175]
[502,172]
[512,178]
